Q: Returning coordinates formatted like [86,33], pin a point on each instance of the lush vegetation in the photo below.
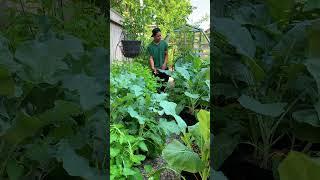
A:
[138,17]
[52,126]
[266,88]
[142,120]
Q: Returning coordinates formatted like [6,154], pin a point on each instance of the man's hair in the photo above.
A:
[155,31]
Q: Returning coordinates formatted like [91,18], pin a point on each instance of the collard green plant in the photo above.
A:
[192,83]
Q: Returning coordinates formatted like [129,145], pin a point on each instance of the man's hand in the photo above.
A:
[164,67]
[155,71]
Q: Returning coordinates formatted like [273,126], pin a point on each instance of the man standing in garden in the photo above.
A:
[158,51]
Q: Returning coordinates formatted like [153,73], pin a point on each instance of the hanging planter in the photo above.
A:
[131,48]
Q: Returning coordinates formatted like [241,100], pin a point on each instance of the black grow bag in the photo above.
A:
[131,48]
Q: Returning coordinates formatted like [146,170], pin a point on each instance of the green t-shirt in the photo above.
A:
[157,51]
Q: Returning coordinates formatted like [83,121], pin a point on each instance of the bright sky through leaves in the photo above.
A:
[202,8]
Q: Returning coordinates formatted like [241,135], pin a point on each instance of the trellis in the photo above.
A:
[190,38]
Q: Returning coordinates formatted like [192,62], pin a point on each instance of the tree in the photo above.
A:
[167,15]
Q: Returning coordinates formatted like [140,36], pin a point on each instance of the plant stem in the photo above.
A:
[24,13]
[307,147]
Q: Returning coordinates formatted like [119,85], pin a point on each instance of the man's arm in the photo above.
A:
[152,65]
[164,66]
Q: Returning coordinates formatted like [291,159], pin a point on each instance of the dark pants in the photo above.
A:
[164,78]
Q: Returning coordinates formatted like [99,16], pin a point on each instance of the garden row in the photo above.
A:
[142,120]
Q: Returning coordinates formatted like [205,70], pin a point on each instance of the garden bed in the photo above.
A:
[159,134]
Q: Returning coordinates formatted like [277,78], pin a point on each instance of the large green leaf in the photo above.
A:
[169,127]
[99,65]
[226,89]
[192,96]
[183,72]
[7,86]
[237,35]
[41,60]
[298,166]
[270,109]
[293,41]
[170,109]
[279,9]
[40,152]
[62,111]
[14,170]
[311,5]
[6,57]
[314,38]
[255,14]
[256,70]
[306,132]
[203,117]
[313,66]
[181,157]
[27,126]
[223,144]
[217,175]
[308,116]
[91,92]
[76,165]
[135,114]
[236,70]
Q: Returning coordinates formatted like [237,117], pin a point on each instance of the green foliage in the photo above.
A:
[185,157]
[266,76]
[138,18]
[298,166]
[49,127]
[123,153]
[80,19]
[192,83]
[136,107]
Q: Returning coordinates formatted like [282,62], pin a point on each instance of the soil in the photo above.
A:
[158,163]
[238,166]
[190,176]
[187,117]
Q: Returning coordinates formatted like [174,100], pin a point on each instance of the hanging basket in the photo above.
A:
[131,48]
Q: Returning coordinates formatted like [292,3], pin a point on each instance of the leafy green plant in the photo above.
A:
[47,117]
[192,83]
[263,58]
[138,17]
[187,157]
[123,153]
[137,107]
[298,166]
